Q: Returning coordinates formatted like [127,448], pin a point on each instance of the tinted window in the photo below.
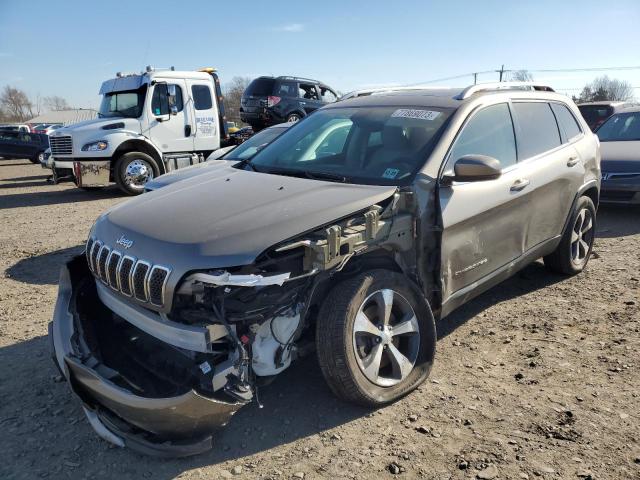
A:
[260,87]
[160,102]
[621,127]
[538,129]
[567,121]
[286,89]
[489,132]
[201,97]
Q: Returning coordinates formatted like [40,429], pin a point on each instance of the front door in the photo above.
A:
[205,135]
[169,133]
[483,221]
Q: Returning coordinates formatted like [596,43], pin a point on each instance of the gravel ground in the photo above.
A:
[537,378]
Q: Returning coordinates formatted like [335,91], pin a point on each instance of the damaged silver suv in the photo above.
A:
[351,233]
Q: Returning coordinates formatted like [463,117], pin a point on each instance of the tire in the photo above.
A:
[37,158]
[574,250]
[343,354]
[294,117]
[133,170]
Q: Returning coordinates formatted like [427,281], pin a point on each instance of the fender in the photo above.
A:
[594,188]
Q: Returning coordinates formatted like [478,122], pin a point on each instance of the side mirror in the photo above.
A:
[475,168]
[171,98]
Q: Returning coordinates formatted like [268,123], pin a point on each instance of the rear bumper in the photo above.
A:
[174,426]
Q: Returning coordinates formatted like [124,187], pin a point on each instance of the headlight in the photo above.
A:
[95,146]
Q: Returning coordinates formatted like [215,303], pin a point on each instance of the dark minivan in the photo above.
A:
[271,100]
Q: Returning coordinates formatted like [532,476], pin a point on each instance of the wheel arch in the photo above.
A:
[137,145]
[590,189]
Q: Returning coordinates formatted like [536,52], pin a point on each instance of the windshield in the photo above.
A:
[369,145]
[254,144]
[127,103]
[620,127]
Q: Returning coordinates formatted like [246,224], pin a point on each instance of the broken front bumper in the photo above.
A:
[179,425]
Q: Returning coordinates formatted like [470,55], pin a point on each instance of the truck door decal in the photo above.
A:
[206,126]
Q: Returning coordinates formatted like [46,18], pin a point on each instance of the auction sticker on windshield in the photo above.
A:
[413,113]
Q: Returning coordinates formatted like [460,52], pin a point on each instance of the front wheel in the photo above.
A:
[293,118]
[375,338]
[133,170]
[574,249]
[37,159]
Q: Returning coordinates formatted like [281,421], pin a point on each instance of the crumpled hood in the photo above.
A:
[620,157]
[226,217]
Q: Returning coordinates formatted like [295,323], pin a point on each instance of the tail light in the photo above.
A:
[272,100]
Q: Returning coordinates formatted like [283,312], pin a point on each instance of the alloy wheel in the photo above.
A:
[386,338]
[137,173]
[581,236]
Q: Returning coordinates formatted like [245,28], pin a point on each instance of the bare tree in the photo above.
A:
[232,94]
[16,104]
[605,88]
[56,103]
[521,76]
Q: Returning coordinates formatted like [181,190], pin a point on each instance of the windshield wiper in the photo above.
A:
[245,163]
[326,176]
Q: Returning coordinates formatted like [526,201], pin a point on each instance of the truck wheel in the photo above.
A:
[133,170]
[574,249]
[375,338]
[37,158]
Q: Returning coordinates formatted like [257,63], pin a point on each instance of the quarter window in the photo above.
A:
[489,132]
[538,130]
[568,125]
[201,97]
[160,102]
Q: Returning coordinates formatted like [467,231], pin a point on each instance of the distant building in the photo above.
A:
[66,117]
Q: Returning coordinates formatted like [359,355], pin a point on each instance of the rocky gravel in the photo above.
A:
[537,378]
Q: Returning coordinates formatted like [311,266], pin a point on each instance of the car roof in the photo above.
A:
[633,109]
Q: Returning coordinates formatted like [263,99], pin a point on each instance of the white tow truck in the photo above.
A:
[148,124]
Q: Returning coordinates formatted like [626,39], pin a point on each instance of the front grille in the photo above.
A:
[61,145]
[130,276]
[139,281]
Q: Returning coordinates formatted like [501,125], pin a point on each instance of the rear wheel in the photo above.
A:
[294,117]
[133,170]
[574,249]
[375,338]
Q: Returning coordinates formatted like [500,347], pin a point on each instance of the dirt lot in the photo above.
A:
[537,378]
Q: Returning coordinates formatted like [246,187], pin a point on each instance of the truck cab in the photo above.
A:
[148,124]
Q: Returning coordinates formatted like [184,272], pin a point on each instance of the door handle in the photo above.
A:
[520,184]
[573,161]
[187,130]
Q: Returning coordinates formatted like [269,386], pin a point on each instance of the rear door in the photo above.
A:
[206,132]
[170,133]
[483,221]
[550,165]
[309,97]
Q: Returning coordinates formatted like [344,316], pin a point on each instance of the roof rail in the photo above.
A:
[288,77]
[493,86]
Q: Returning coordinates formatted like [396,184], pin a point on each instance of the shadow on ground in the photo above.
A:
[618,221]
[42,269]
[55,197]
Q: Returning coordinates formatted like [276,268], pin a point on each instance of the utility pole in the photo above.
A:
[475,78]
[501,72]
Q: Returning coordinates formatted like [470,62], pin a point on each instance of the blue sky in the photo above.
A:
[68,48]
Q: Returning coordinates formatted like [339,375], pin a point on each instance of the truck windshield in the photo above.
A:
[367,145]
[126,103]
